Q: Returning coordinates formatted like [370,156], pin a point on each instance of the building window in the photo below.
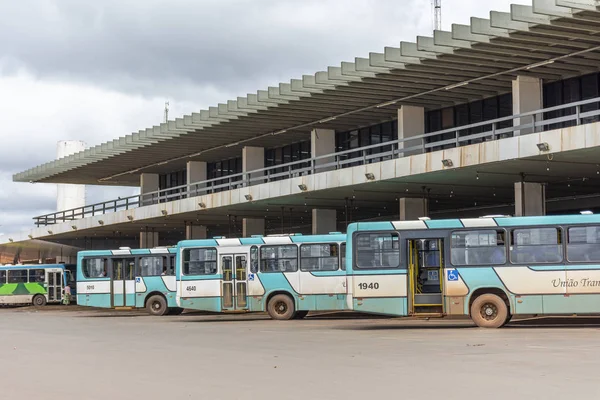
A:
[282,258]
[287,154]
[478,248]
[374,134]
[377,251]
[319,257]
[536,245]
[95,268]
[583,244]
[467,114]
[200,261]
[569,91]
[224,169]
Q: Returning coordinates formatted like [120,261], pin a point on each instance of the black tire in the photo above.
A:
[301,314]
[175,311]
[489,311]
[39,300]
[508,319]
[281,307]
[157,305]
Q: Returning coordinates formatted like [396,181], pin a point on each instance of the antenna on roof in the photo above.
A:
[437,14]
[166,112]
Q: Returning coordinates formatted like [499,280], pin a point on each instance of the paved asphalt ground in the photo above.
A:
[76,353]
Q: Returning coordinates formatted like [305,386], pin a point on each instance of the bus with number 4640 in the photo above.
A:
[284,275]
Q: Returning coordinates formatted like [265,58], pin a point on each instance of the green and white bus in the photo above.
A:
[33,284]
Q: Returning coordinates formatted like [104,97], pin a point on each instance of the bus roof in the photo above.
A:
[127,251]
[31,266]
[259,240]
[485,222]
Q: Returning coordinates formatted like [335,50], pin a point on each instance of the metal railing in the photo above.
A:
[578,113]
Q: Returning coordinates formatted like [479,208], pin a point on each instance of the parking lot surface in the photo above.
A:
[76,353]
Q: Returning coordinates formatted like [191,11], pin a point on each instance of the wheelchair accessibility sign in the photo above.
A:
[138,280]
[250,277]
[452,275]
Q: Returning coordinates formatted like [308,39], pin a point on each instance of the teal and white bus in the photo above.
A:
[33,284]
[488,268]
[128,279]
[286,276]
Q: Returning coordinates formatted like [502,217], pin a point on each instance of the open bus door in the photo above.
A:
[425,276]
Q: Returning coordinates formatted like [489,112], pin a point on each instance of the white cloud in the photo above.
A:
[95,71]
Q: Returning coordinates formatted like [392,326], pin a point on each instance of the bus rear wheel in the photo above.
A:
[157,305]
[39,300]
[489,311]
[281,307]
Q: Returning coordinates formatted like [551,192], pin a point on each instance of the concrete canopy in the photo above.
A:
[551,39]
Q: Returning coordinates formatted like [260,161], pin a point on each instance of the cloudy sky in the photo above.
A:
[94,71]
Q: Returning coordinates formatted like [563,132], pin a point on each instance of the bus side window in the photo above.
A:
[254,259]
[343,256]
[37,275]
[17,276]
[95,268]
[171,267]
[202,261]
[2,277]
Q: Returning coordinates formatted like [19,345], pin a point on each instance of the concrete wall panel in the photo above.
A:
[508,149]
[592,135]
[488,152]
[388,169]
[418,164]
[572,139]
[403,167]
[470,155]
[528,145]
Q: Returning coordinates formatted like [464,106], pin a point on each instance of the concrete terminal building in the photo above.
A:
[497,117]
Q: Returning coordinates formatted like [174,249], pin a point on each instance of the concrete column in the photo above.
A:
[323,221]
[530,199]
[148,184]
[322,142]
[527,95]
[148,239]
[196,172]
[413,208]
[411,122]
[195,231]
[253,158]
[253,226]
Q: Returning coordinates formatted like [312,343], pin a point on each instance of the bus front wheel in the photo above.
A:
[489,311]
[157,305]
[39,300]
[281,307]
